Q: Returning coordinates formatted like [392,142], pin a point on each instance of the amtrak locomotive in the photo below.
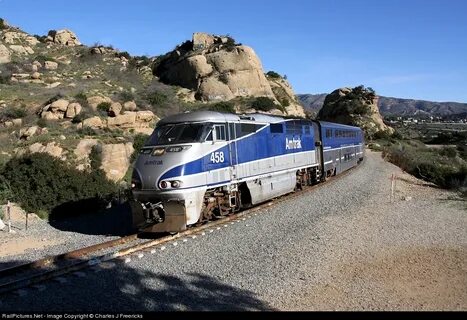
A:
[203,165]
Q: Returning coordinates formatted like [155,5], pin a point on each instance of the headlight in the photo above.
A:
[158,151]
[163,184]
[175,184]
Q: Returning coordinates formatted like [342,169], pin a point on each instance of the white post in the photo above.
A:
[9,215]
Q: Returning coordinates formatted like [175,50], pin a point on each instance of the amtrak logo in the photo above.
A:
[293,144]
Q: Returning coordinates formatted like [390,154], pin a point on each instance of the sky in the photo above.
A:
[401,48]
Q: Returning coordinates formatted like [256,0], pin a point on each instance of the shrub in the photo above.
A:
[41,58]
[263,103]
[428,165]
[103,107]
[95,157]
[223,106]
[156,98]
[3,25]
[285,102]
[12,113]
[42,182]
[41,122]
[127,96]
[273,75]
[123,54]
[138,142]
[5,190]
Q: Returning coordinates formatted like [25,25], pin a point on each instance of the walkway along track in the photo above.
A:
[77,260]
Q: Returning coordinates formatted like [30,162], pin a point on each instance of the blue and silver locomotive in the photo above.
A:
[202,165]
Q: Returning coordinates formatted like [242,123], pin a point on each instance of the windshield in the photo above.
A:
[179,133]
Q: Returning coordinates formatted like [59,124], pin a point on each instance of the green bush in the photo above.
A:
[123,54]
[127,96]
[95,157]
[42,182]
[3,24]
[156,98]
[12,113]
[285,102]
[5,190]
[138,142]
[273,75]
[223,106]
[41,122]
[103,107]
[428,164]
[263,103]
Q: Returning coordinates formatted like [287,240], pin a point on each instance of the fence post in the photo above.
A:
[9,215]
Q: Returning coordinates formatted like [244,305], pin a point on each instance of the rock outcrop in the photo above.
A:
[354,106]
[5,55]
[63,37]
[116,159]
[217,69]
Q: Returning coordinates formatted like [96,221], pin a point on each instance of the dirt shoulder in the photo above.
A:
[406,254]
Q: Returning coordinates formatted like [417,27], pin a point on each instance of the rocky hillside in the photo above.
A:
[215,68]
[354,106]
[397,107]
[60,97]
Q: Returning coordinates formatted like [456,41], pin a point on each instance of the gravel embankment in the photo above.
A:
[344,246]
[43,239]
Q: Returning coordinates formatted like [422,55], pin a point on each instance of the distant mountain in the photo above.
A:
[389,106]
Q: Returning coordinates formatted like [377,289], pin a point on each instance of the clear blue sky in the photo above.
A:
[401,48]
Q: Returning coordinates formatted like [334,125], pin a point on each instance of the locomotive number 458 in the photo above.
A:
[217,157]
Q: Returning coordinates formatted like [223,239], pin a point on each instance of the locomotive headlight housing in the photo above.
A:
[158,151]
[163,184]
[176,184]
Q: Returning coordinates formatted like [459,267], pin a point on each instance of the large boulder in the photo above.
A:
[64,37]
[116,159]
[216,69]
[354,106]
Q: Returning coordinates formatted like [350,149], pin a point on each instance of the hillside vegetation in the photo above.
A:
[73,117]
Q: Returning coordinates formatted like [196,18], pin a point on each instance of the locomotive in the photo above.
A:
[203,165]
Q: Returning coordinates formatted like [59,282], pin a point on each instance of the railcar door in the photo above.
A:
[217,162]
[233,151]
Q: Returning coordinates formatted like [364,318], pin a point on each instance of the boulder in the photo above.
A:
[60,104]
[28,132]
[50,65]
[115,109]
[202,40]
[354,106]
[129,106]
[82,151]
[125,120]
[65,37]
[93,122]
[23,50]
[72,110]
[116,159]
[94,101]
[35,75]
[145,116]
[51,148]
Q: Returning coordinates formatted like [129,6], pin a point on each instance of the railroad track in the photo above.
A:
[33,273]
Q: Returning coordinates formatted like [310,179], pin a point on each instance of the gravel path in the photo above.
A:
[43,239]
[344,246]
